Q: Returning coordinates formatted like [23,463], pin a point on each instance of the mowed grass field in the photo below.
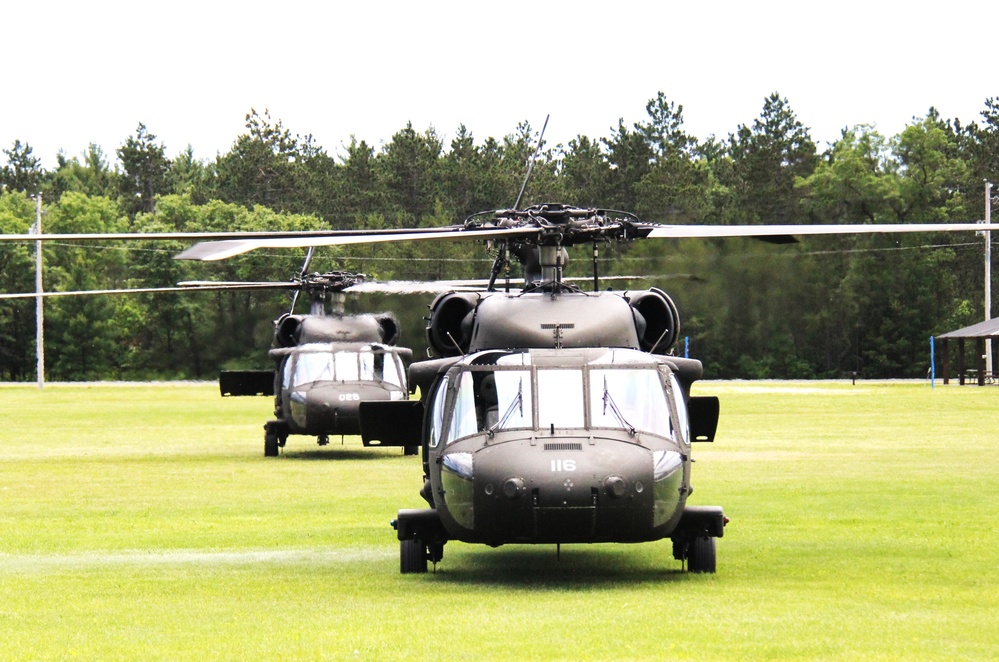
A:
[143,522]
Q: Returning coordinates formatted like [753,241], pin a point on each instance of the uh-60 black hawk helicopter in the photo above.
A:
[552,415]
[326,362]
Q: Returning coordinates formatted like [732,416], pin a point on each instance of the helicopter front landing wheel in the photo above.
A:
[411,450]
[270,445]
[701,555]
[413,556]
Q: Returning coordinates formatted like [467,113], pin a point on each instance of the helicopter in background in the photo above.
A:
[326,363]
[552,415]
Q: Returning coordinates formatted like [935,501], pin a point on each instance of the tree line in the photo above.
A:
[822,307]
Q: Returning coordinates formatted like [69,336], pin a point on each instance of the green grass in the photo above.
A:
[143,522]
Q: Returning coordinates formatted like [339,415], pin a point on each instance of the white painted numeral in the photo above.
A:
[563,465]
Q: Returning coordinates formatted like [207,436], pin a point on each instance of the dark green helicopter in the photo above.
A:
[326,363]
[554,415]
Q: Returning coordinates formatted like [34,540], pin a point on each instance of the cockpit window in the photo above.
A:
[463,421]
[560,398]
[308,367]
[321,364]
[489,400]
[347,366]
[507,400]
[502,391]
[629,399]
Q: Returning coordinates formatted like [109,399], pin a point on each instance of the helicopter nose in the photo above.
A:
[584,490]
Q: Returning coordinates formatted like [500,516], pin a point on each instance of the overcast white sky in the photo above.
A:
[81,72]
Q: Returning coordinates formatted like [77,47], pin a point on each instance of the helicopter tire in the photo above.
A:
[411,450]
[701,555]
[412,556]
[270,445]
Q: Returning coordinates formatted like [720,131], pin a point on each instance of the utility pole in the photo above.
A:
[39,313]
[988,273]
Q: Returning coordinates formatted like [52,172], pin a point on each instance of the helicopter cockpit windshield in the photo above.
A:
[619,389]
[318,362]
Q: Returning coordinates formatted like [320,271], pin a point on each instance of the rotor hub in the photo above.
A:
[563,225]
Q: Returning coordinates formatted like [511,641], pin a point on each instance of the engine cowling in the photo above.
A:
[449,328]
[657,320]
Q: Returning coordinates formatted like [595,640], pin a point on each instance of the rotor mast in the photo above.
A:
[551,264]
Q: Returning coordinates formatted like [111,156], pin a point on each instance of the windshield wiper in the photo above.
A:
[518,402]
[609,401]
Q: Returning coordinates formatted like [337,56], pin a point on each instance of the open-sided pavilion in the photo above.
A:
[979,333]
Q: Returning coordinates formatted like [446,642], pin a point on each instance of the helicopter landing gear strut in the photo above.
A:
[701,555]
[694,537]
[270,445]
[273,441]
[414,554]
[421,539]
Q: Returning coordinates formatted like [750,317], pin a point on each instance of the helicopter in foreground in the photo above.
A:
[552,415]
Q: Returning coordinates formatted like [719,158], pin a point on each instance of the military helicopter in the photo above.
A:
[326,363]
[552,415]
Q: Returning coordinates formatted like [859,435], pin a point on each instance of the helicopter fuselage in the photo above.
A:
[559,446]
[319,386]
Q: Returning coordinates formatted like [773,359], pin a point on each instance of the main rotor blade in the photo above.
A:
[186,286]
[191,285]
[161,236]
[703,231]
[221,250]
[411,287]
[137,290]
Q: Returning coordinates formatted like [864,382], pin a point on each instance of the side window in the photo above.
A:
[681,408]
[392,370]
[437,413]
[463,421]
